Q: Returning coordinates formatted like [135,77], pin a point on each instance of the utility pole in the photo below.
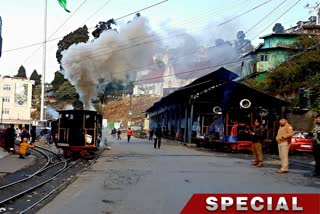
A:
[44,60]
[1,109]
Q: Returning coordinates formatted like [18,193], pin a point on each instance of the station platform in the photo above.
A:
[10,163]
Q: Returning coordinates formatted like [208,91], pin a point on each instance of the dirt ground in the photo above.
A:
[118,110]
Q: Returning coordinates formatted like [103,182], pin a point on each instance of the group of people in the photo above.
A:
[115,132]
[9,136]
[155,135]
[285,132]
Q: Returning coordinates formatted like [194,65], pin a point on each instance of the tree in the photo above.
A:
[21,72]
[243,45]
[301,71]
[58,80]
[102,26]
[66,92]
[75,37]
[221,42]
[36,77]
[278,28]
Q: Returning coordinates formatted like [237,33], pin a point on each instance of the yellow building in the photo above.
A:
[15,100]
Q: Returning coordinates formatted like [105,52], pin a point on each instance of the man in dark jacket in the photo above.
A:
[158,136]
[258,136]
[316,145]
[10,138]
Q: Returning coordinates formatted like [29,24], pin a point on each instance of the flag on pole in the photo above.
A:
[63,3]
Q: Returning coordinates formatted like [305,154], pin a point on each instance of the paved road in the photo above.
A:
[135,178]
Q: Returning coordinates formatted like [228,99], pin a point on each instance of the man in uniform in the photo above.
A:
[284,135]
[316,145]
[258,136]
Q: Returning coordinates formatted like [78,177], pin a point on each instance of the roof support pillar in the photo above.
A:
[190,123]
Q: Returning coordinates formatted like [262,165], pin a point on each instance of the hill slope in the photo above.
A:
[118,110]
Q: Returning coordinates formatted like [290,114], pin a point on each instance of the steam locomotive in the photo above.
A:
[79,131]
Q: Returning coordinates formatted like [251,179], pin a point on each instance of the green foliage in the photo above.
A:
[75,37]
[58,80]
[278,28]
[21,72]
[36,77]
[303,42]
[102,26]
[66,92]
[302,71]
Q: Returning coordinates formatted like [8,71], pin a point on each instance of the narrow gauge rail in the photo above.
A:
[48,163]
[15,192]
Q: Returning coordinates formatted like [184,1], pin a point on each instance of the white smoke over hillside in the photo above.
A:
[114,55]
[118,55]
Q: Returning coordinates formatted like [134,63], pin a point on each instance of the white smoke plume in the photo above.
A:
[114,55]
[118,55]
[53,113]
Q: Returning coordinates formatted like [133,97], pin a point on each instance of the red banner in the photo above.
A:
[253,203]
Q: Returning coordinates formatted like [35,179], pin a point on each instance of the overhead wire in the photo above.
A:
[41,43]
[76,10]
[101,53]
[233,60]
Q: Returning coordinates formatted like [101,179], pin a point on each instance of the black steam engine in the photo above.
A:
[79,131]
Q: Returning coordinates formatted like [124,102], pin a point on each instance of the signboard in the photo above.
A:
[21,94]
[130,112]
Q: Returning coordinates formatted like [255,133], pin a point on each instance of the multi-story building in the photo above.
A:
[276,48]
[15,100]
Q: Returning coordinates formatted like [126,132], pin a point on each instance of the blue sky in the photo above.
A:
[23,23]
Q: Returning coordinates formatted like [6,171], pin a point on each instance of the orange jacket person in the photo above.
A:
[24,146]
[129,133]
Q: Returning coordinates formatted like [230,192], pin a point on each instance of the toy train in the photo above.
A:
[78,131]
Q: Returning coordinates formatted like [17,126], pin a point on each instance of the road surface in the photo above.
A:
[135,178]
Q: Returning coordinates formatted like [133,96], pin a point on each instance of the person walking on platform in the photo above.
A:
[33,134]
[23,149]
[119,134]
[113,133]
[129,134]
[316,145]
[258,136]
[283,137]
[25,134]
[158,136]
[10,139]
[151,134]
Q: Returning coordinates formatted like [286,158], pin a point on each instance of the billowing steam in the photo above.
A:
[118,55]
[53,113]
[114,55]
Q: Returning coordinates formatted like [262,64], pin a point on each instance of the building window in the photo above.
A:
[5,111]
[264,58]
[6,99]
[6,88]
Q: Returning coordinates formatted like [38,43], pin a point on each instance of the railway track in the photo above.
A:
[28,194]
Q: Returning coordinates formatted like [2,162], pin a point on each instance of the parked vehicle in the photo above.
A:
[301,141]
